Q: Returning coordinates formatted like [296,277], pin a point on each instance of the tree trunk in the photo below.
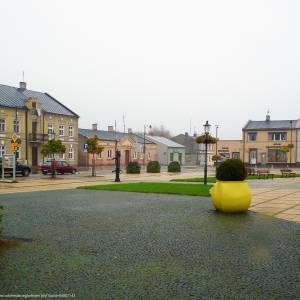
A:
[93,166]
[52,169]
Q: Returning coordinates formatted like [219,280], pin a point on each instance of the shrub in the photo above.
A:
[174,166]
[231,170]
[153,167]
[133,168]
[216,157]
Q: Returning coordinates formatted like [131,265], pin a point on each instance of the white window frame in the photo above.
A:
[99,155]
[149,156]
[2,125]
[16,125]
[50,131]
[109,153]
[71,153]
[71,131]
[135,155]
[18,153]
[2,150]
[61,130]
[61,156]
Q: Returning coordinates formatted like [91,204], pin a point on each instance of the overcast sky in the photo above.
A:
[158,62]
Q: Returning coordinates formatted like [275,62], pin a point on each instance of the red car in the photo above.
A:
[60,166]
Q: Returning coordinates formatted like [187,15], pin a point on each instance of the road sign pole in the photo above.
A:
[14,167]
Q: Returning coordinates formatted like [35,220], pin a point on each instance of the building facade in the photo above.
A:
[168,150]
[194,153]
[35,118]
[271,142]
[131,146]
[230,149]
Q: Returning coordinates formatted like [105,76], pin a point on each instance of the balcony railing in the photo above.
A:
[38,138]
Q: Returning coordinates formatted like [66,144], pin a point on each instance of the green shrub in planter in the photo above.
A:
[133,168]
[174,166]
[231,170]
[153,167]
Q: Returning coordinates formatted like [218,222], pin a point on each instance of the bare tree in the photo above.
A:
[160,131]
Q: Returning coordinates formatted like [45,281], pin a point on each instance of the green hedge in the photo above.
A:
[231,170]
[133,168]
[153,167]
[174,166]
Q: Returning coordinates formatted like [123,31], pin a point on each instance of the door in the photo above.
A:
[263,159]
[127,155]
[180,158]
[253,156]
[34,158]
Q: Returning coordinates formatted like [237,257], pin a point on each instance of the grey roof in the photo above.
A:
[14,97]
[270,125]
[112,135]
[165,141]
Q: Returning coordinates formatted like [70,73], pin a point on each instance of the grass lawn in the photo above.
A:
[213,179]
[155,188]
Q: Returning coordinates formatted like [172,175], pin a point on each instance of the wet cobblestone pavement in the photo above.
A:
[112,245]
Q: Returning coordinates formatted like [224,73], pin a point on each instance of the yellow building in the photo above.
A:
[35,117]
[270,142]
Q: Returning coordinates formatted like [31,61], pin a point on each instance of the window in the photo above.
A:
[16,126]
[71,153]
[109,153]
[50,131]
[50,156]
[61,156]
[2,125]
[18,153]
[33,104]
[277,156]
[71,131]
[61,130]
[252,136]
[2,150]
[99,155]
[171,156]
[135,155]
[236,155]
[149,155]
[277,136]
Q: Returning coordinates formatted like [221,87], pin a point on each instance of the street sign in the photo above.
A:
[14,146]
[14,137]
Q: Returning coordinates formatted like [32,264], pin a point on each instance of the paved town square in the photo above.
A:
[112,245]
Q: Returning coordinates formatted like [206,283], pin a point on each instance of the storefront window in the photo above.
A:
[276,156]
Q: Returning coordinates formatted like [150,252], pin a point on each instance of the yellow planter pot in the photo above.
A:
[231,196]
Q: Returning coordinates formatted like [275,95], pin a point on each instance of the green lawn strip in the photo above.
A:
[213,179]
[155,188]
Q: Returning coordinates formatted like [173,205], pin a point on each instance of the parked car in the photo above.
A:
[60,167]
[21,169]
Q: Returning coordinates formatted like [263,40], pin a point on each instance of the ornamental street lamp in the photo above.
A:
[206,131]
[144,147]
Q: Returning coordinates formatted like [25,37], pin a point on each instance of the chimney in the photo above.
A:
[195,134]
[110,128]
[268,117]
[95,126]
[22,85]
[129,130]
[186,134]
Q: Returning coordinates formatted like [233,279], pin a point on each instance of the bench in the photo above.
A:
[251,171]
[287,173]
[265,174]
